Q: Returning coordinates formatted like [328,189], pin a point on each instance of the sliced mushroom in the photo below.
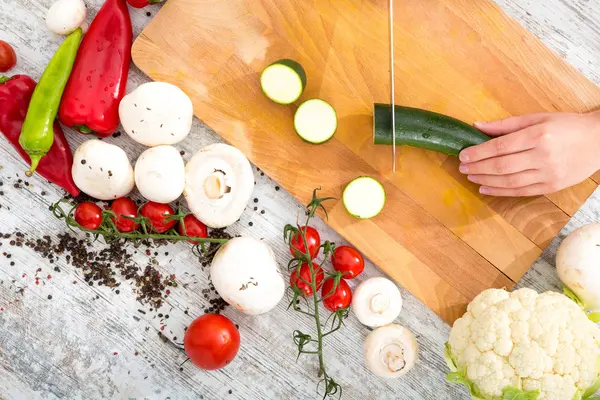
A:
[390,351]
[377,302]
[218,184]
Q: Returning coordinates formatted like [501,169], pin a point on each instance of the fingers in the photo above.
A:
[508,144]
[511,181]
[536,189]
[502,165]
[511,124]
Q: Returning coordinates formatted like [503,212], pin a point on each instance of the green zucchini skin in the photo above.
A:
[296,67]
[424,129]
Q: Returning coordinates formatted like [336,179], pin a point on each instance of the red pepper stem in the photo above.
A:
[155,1]
[35,160]
[82,128]
[3,79]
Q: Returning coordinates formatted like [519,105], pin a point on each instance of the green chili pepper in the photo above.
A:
[37,134]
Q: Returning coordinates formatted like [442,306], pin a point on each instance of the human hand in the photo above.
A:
[534,154]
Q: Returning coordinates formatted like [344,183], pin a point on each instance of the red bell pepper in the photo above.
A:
[15,95]
[90,103]
[142,3]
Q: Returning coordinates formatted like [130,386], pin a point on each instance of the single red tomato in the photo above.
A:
[88,215]
[142,3]
[8,57]
[348,261]
[340,298]
[312,239]
[193,228]
[297,281]
[125,207]
[158,214]
[211,341]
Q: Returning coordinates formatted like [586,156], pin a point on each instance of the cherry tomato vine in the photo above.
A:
[310,293]
[109,231]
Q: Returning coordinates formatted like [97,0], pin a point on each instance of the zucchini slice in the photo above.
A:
[424,129]
[315,121]
[283,81]
[364,197]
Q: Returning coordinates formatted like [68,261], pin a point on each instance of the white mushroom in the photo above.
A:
[245,274]
[160,174]
[65,16]
[390,351]
[578,265]
[377,302]
[102,170]
[218,184]
[156,113]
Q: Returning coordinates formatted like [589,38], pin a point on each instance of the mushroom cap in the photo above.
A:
[578,265]
[377,302]
[64,16]
[102,170]
[236,172]
[245,274]
[156,113]
[390,351]
[160,174]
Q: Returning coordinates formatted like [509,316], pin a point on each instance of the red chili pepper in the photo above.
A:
[90,103]
[15,95]
[142,3]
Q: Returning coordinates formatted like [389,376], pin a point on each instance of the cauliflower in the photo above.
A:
[526,346]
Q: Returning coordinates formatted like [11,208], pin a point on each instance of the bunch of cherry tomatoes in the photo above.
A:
[160,217]
[345,260]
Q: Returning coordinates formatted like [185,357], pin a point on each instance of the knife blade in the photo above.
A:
[392,86]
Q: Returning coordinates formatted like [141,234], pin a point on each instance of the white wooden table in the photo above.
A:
[61,339]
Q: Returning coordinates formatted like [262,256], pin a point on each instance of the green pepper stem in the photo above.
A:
[35,160]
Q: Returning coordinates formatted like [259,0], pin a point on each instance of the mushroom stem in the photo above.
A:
[392,355]
[214,185]
[379,303]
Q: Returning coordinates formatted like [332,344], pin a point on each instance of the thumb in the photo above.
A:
[510,124]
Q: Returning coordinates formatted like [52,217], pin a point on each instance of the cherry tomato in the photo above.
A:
[193,228]
[340,298]
[158,214]
[88,215]
[312,239]
[297,282]
[211,341]
[8,57]
[348,261]
[142,3]
[125,207]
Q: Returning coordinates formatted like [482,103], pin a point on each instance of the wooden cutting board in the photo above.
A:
[436,236]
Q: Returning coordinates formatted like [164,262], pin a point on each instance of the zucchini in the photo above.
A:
[315,121]
[424,129]
[283,81]
[364,197]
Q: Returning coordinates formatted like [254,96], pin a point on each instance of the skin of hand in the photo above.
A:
[534,154]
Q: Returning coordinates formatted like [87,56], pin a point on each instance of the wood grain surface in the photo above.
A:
[64,348]
[437,236]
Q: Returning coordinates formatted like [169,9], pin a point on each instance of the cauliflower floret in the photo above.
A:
[536,342]
[530,361]
[556,387]
[485,299]
[492,372]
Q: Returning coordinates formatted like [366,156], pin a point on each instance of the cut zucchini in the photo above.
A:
[364,197]
[424,129]
[283,81]
[315,121]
